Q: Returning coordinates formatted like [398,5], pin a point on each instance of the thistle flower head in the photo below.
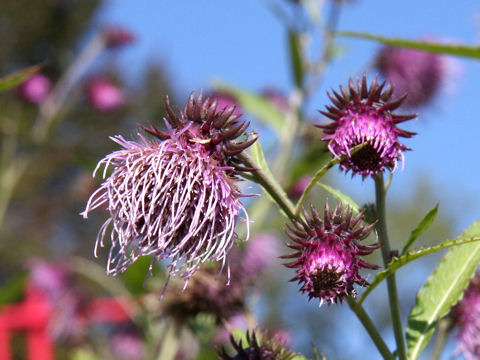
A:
[364,115]
[418,73]
[175,197]
[328,250]
[264,347]
[466,315]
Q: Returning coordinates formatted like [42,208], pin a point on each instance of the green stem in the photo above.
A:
[52,105]
[391,282]
[270,187]
[370,327]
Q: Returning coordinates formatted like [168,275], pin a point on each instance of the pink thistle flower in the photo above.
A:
[104,96]
[466,316]
[364,115]
[418,73]
[35,89]
[117,36]
[328,251]
[176,198]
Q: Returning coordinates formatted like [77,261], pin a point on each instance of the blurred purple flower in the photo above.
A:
[176,198]
[127,345]
[226,101]
[55,281]
[361,115]
[419,74]
[235,321]
[328,251]
[277,98]
[104,96]
[296,190]
[260,253]
[117,36]
[35,89]
[466,316]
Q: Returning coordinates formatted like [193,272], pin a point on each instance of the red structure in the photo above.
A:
[32,316]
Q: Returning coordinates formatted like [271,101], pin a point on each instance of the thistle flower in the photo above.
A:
[104,96]
[466,315]
[266,347]
[418,73]
[176,197]
[35,89]
[328,251]
[364,115]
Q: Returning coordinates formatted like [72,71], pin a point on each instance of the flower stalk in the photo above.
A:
[386,255]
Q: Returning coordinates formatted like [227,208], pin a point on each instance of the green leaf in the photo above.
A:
[13,290]
[296,58]
[443,289]
[448,49]
[397,262]
[421,227]
[344,199]
[9,81]
[259,107]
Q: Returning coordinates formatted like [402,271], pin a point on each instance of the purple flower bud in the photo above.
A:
[175,197]
[104,96]
[35,89]
[328,251]
[364,115]
[466,316]
[418,73]
[117,36]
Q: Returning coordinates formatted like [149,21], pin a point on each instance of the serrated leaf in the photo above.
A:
[259,107]
[398,262]
[443,289]
[427,220]
[341,197]
[439,48]
[296,58]
[18,77]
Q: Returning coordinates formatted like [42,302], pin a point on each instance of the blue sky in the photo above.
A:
[243,43]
